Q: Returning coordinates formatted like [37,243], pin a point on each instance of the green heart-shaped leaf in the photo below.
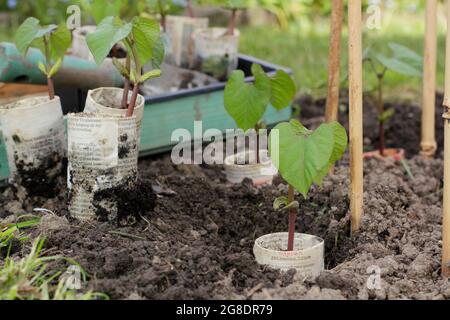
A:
[247,103]
[25,34]
[146,36]
[109,32]
[158,53]
[283,90]
[60,41]
[302,156]
[340,144]
[399,66]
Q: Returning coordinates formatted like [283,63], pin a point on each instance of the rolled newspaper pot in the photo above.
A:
[216,52]
[108,100]
[33,132]
[181,30]
[307,257]
[238,167]
[102,154]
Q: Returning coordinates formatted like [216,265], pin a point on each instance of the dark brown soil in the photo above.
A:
[196,243]
[41,181]
[402,130]
[132,200]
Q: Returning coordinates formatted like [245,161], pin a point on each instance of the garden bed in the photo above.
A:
[401,131]
[197,243]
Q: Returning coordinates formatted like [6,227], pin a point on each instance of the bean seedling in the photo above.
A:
[304,157]
[403,61]
[52,40]
[246,103]
[142,41]
[233,6]
[164,8]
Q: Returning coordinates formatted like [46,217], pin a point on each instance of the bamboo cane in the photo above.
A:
[355,110]
[337,12]
[446,197]
[428,142]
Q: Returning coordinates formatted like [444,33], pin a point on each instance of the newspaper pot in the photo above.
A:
[240,166]
[216,52]
[108,100]
[80,48]
[307,257]
[389,154]
[181,30]
[33,132]
[103,154]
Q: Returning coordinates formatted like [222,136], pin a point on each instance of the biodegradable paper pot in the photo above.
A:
[79,45]
[389,153]
[103,154]
[108,100]
[33,132]
[307,257]
[181,30]
[216,53]
[260,173]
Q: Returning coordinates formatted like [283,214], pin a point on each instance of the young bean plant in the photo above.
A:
[246,103]
[52,40]
[303,157]
[141,38]
[403,61]
[164,8]
[231,5]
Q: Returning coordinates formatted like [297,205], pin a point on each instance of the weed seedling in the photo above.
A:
[141,39]
[246,103]
[403,61]
[52,40]
[30,278]
[11,232]
[303,157]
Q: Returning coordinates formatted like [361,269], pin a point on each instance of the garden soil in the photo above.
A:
[197,241]
[402,130]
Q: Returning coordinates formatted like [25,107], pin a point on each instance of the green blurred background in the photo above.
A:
[292,33]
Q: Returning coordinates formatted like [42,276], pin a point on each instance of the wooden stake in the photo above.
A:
[446,197]
[428,142]
[337,13]
[355,112]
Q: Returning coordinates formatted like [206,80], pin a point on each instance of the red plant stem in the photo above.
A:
[189,9]
[132,104]
[381,137]
[126,85]
[292,219]
[163,15]
[126,88]
[232,24]
[51,88]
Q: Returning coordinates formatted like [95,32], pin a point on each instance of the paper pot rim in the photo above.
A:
[215,33]
[98,115]
[140,102]
[186,18]
[23,104]
[319,241]
[229,160]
